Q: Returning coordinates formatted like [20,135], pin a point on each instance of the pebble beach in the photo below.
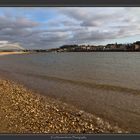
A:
[24,111]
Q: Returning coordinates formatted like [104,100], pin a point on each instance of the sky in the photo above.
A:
[51,27]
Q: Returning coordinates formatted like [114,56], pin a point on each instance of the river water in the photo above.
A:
[103,83]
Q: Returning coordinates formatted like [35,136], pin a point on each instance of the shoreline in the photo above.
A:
[24,111]
[9,53]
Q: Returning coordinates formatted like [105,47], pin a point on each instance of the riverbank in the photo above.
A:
[23,111]
[8,53]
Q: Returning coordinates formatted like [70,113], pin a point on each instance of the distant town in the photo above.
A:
[83,48]
[93,48]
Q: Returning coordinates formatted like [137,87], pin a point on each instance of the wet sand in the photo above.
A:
[23,111]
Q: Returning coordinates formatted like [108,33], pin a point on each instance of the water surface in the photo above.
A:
[102,83]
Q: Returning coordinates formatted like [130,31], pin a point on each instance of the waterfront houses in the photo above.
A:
[109,47]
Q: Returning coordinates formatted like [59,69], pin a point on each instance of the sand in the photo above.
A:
[8,53]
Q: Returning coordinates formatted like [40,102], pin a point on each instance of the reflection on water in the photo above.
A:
[104,83]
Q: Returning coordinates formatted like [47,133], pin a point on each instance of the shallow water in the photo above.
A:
[103,83]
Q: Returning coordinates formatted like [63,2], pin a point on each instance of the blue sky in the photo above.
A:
[55,26]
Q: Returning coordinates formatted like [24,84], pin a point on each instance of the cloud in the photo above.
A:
[104,23]
[36,29]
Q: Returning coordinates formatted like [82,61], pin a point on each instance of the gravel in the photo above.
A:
[24,111]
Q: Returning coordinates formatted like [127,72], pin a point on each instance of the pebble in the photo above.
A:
[24,111]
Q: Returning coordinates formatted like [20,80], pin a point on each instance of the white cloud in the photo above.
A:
[69,25]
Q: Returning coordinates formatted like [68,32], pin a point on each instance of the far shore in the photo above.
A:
[8,53]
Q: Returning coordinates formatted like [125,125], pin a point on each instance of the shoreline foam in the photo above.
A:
[23,111]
